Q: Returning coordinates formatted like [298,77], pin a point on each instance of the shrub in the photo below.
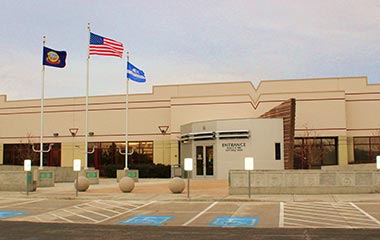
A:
[145,170]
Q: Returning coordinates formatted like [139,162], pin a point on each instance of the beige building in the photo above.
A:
[220,145]
[336,121]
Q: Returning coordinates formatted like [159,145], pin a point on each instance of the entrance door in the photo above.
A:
[205,160]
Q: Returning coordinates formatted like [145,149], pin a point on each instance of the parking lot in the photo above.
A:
[193,213]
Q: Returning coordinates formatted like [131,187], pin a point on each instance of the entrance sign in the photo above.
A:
[234,147]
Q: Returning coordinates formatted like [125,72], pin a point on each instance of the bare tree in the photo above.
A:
[310,149]
[25,150]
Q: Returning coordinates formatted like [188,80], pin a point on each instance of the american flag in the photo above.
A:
[105,46]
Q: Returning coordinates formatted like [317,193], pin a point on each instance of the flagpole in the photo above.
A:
[42,110]
[126,117]
[87,90]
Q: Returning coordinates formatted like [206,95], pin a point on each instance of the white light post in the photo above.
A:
[188,168]
[249,166]
[27,169]
[77,167]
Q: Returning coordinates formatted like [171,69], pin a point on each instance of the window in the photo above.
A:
[143,152]
[312,153]
[278,151]
[108,153]
[366,149]
[15,154]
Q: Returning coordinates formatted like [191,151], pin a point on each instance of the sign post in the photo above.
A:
[188,169]
[249,166]
[76,167]
[27,169]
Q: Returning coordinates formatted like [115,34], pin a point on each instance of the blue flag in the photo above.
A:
[135,74]
[54,58]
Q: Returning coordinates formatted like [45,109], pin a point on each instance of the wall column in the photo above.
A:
[342,150]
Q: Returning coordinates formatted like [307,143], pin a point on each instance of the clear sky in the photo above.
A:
[195,41]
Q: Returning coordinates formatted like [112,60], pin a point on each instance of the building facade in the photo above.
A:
[337,121]
[220,145]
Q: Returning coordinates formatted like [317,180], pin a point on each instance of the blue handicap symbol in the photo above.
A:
[147,220]
[8,214]
[234,221]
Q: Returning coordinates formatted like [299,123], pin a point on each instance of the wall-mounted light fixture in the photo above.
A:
[163,129]
[55,134]
[91,133]
[73,131]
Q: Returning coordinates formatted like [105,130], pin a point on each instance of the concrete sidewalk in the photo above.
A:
[200,190]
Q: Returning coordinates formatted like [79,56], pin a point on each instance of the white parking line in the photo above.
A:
[90,211]
[365,213]
[315,222]
[200,214]
[281,217]
[315,214]
[79,215]
[109,205]
[59,217]
[358,218]
[22,203]
[130,210]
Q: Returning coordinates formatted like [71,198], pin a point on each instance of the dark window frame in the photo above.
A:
[301,144]
[373,144]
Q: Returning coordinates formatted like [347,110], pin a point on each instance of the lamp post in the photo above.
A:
[249,166]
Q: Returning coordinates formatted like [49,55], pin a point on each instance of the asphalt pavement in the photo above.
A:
[151,210]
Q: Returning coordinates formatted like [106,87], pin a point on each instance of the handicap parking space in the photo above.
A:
[92,212]
[32,206]
[156,213]
[234,222]
[147,220]
[8,214]
[193,213]
[217,214]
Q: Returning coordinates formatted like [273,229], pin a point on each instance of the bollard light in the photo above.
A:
[27,165]
[27,169]
[76,167]
[188,164]
[249,166]
[188,167]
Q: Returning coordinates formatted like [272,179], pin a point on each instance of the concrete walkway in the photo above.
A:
[200,190]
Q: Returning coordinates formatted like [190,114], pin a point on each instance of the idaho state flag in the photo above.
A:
[54,58]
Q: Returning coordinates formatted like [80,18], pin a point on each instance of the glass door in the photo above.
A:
[205,161]
[209,160]
[200,161]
